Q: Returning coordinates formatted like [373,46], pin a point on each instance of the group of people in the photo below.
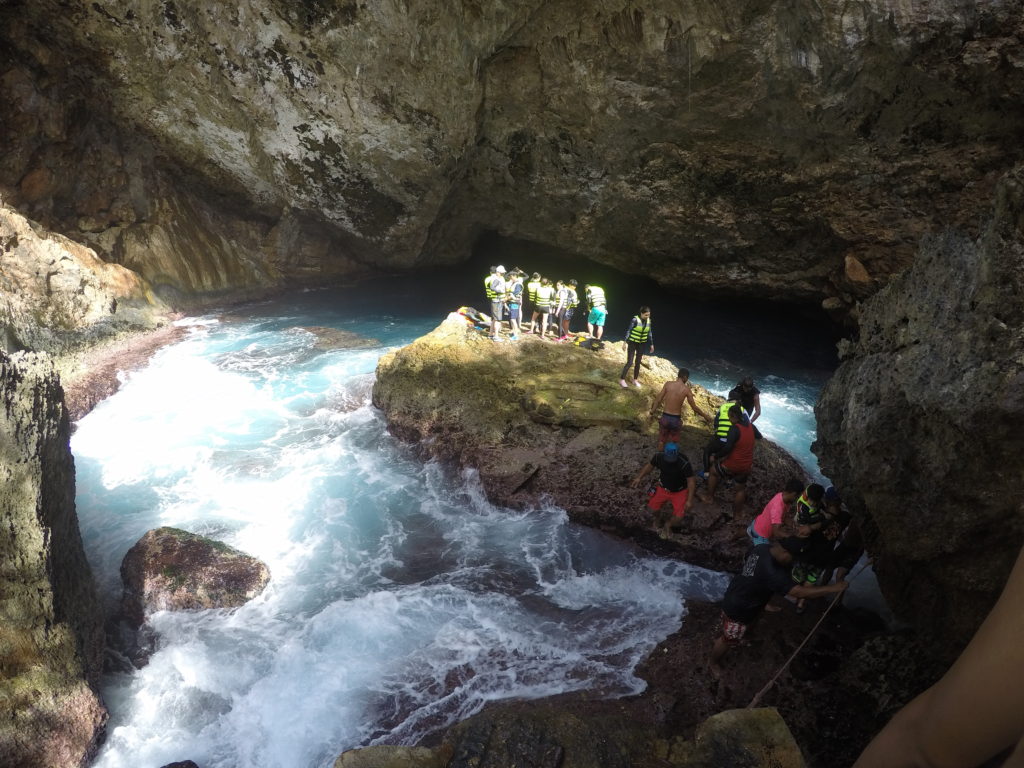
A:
[798,541]
[551,303]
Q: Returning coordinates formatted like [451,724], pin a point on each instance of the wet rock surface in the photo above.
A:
[51,639]
[171,569]
[545,421]
[921,427]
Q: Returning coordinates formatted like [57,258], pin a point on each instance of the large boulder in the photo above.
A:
[922,426]
[172,569]
[51,638]
[542,420]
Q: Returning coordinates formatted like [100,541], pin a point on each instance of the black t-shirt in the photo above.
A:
[818,550]
[673,473]
[751,589]
[744,397]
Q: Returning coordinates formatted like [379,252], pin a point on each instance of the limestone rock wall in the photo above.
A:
[922,426]
[51,636]
[791,149]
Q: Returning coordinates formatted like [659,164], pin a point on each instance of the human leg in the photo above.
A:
[639,358]
[631,352]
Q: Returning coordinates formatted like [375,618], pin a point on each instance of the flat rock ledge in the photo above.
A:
[171,569]
[544,421]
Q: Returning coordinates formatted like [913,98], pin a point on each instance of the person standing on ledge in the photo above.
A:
[597,310]
[675,486]
[673,396]
[765,572]
[514,296]
[545,297]
[747,395]
[495,288]
[638,335]
[531,292]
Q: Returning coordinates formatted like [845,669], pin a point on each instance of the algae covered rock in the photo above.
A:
[171,569]
[542,420]
[922,426]
[51,639]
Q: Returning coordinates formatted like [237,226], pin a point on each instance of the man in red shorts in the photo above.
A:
[765,572]
[676,486]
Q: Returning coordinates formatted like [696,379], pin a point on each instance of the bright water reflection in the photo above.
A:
[400,599]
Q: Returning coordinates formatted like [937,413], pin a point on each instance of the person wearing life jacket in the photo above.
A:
[514,291]
[638,335]
[531,294]
[732,459]
[545,298]
[597,311]
[720,426]
[495,287]
[810,510]
[568,301]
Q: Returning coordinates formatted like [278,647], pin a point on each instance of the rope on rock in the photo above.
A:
[757,697]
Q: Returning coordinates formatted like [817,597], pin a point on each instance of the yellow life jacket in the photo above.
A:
[491,295]
[595,296]
[510,294]
[531,290]
[544,296]
[722,422]
[574,299]
[640,331]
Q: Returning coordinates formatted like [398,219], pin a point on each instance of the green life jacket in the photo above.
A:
[595,296]
[806,513]
[491,293]
[544,295]
[531,290]
[722,422]
[639,332]
[512,296]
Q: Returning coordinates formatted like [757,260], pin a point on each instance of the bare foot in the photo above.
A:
[772,608]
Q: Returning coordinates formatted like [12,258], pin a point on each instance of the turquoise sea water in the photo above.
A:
[400,599]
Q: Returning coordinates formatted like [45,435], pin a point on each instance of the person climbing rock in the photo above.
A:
[747,395]
[769,525]
[732,460]
[638,335]
[676,486]
[673,396]
[597,310]
[766,571]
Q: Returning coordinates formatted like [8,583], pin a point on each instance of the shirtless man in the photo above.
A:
[673,396]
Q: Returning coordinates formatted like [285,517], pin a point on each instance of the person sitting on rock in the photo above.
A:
[638,335]
[770,524]
[810,510]
[676,486]
[747,395]
[732,460]
[597,312]
[766,571]
[673,396]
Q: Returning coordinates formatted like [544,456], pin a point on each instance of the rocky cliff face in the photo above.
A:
[792,150]
[51,638]
[922,427]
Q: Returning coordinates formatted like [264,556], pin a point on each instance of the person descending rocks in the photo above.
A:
[766,571]
[597,311]
[638,335]
[720,426]
[545,298]
[514,291]
[769,525]
[673,396]
[531,293]
[732,460]
[676,486]
[495,289]
[747,395]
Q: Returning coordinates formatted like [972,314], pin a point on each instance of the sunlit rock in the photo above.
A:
[171,569]
[51,639]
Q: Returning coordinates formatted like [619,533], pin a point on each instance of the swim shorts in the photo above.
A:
[513,311]
[670,427]
[755,536]
[567,313]
[497,310]
[659,495]
[740,478]
[597,315]
[732,631]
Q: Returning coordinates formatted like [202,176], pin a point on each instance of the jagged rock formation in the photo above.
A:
[171,569]
[922,426]
[794,150]
[56,294]
[51,639]
[541,420]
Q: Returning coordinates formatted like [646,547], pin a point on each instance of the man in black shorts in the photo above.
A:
[765,572]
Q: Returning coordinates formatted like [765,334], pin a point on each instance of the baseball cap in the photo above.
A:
[500,269]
